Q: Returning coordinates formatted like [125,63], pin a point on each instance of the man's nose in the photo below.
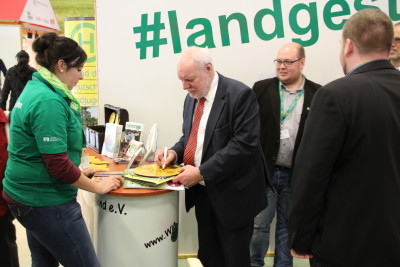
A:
[282,66]
[185,85]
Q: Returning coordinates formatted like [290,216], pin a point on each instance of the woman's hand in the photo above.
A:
[89,172]
[100,185]
[107,184]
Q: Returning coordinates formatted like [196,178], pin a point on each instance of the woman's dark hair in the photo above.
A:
[50,48]
[22,55]
[22,67]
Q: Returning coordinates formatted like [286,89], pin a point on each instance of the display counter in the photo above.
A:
[132,227]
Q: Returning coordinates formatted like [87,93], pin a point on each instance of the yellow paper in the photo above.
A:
[153,170]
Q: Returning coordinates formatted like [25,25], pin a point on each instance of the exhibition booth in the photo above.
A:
[138,46]
[133,49]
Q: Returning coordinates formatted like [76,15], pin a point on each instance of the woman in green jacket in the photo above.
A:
[46,141]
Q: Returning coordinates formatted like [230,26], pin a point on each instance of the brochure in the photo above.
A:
[133,131]
[112,138]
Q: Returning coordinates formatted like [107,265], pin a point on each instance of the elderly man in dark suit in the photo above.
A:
[225,170]
[346,183]
[284,103]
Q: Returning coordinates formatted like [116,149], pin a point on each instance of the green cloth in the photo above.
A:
[42,122]
[53,80]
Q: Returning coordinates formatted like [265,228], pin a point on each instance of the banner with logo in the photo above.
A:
[83,31]
[139,44]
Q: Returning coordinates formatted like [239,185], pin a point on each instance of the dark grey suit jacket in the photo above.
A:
[232,163]
[346,182]
[269,101]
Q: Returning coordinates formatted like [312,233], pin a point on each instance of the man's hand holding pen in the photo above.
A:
[164,157]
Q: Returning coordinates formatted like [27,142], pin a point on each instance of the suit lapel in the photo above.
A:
[309,92]
[275,102]
[217,107]
[307,101]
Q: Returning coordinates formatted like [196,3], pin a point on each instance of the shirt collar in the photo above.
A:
[297,90]
[213,88]
[362,64]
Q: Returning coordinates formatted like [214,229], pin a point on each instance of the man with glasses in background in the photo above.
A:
[284,103]
[394,54]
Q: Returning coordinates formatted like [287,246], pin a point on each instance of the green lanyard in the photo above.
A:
[286,113]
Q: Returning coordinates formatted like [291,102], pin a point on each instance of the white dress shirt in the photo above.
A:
[204,118]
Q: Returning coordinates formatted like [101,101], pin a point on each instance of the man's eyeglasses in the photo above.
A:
[287,63]
[396,40]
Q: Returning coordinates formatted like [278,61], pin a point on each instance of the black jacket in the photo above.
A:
[232,163]
[346,183]
[14,84]
[268,99]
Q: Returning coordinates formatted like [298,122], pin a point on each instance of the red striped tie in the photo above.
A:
[188,156]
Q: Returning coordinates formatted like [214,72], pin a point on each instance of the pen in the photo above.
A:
[165,157]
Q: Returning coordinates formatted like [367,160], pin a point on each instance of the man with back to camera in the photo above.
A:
[283,102]
[394,54]
[225,170]
[346,183]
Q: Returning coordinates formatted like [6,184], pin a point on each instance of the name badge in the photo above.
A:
[284,134]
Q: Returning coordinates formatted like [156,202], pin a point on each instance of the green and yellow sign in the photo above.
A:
[83,31]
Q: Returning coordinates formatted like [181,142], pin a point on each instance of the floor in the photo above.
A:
[25,260]
[268,261]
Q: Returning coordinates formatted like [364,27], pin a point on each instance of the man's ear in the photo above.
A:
[302,63]
[209,67]
[348,47]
